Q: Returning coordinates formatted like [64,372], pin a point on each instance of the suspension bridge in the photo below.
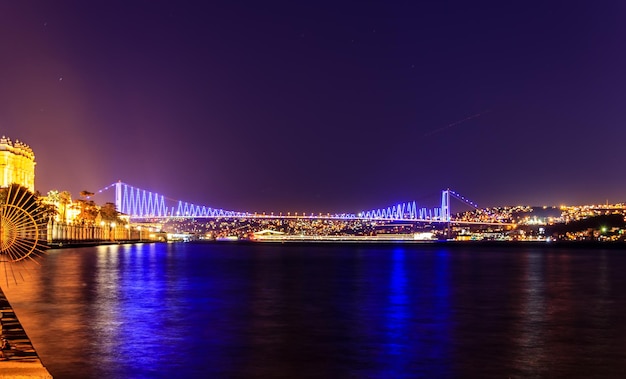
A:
[143,204]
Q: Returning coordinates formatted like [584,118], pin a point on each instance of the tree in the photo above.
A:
[108,212]
[88,211]
[53,196]
[64,199]
[48,211]
[86,194]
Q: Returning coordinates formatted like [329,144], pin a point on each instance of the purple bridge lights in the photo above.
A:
[143,204]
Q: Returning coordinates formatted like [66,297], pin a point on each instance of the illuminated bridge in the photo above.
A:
[142,204]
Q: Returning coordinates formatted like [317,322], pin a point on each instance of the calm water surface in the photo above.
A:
[326,311]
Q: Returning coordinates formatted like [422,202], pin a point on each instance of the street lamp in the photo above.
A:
[113,231]
[101,230]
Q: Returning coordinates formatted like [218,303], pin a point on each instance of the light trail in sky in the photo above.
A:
[455,123]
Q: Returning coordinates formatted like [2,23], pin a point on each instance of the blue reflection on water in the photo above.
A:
[267,311]
[159,313]
[397,317]
[398,307]
[442,308]
[418,318]
[145,306]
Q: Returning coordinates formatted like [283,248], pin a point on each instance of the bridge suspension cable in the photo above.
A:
[140,203]
[463,199]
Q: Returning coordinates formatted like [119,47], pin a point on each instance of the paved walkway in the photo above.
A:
[21,360]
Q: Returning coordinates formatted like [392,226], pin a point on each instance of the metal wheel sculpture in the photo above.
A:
[21,226]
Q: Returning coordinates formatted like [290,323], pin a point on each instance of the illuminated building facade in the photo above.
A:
[17,164]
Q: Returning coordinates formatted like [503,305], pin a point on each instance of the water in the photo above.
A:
[326,311]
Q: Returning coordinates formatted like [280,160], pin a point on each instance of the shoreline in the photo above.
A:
[599,245]
[69,245]
[612,245]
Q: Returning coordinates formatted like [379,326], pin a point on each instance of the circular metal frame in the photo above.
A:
[19,233]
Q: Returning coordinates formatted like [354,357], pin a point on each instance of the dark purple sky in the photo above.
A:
[321,106]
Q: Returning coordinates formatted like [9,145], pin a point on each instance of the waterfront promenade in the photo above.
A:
[21,360]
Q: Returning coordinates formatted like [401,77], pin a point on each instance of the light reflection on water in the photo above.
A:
[317,311]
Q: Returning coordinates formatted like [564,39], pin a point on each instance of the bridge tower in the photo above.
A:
[445,205]
[118,196]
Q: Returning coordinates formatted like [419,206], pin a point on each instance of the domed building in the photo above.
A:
[17,164]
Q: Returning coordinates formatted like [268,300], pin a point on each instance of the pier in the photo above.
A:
[21,359]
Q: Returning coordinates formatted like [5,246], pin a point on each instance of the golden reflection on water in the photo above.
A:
[107,321]
[530,330]
[39,290]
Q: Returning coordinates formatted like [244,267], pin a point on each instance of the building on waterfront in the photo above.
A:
[17,164]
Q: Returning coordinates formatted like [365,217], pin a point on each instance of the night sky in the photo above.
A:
[321,106]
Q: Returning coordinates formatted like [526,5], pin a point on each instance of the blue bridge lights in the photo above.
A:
[139,203]
[403,211]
